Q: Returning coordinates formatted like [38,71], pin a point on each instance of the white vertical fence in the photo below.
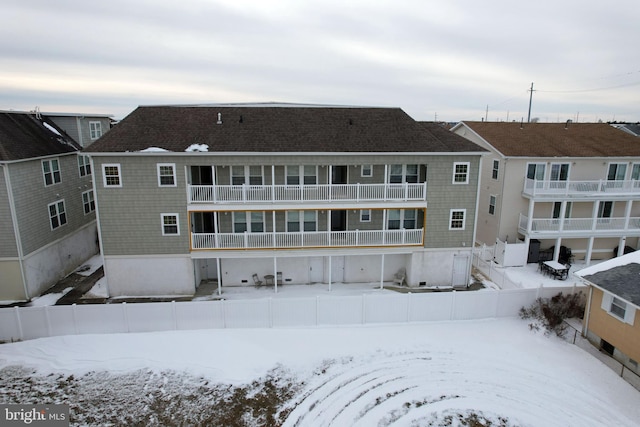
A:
[22,323]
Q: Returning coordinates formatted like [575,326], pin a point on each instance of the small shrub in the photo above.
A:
[550,313]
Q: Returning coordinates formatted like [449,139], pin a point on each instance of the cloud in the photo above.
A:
[449,58]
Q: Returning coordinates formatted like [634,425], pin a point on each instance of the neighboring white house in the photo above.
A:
[282,194]
[558,187]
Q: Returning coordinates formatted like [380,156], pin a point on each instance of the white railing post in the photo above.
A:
[357,237]
[246,239]
[406,191]
[404,235]
[244,192]
[358,192]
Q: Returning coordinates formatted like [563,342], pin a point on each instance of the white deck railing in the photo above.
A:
[580,188]
[306,193]
[315,239]
[580,225]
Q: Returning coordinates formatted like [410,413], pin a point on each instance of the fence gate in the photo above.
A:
[460,270]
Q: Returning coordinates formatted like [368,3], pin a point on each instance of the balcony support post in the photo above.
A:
[382,272]
[627,214]
[216,229]
[530,215]
[273,227]
[275,275]
[587,256]
[213,181]
[219,276]
[556,250]
[563,214]
[594,214]
[273,185]
[330,273]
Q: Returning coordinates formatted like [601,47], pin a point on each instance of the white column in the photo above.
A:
[330,273]
[382,272]
[219,276]
[556,250]
[587,256]
[213,182]
[275,274]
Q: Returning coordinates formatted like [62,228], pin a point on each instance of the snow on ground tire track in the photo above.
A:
[425,388]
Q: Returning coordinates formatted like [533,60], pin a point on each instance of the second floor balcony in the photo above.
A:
[581,189]
[306,193]
[307,239]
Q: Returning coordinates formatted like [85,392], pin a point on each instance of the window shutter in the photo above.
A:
[607,299]
[629,315]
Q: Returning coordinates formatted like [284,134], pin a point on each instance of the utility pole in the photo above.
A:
[530,99]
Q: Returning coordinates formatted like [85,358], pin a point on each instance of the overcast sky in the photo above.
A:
[447,60]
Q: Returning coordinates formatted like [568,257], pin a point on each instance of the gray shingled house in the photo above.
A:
[282,194]
[47,225]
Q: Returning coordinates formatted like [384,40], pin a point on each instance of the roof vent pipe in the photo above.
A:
[219,118]
[566,125]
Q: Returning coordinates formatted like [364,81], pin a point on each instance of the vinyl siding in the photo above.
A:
[32,198]
[8,247]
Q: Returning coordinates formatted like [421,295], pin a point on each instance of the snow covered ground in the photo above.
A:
[403,375]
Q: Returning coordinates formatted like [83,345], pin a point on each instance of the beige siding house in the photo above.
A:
[558,187]
[47,225]
[612,318]
[282,194]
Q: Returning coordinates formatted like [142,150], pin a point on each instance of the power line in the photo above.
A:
[589,90]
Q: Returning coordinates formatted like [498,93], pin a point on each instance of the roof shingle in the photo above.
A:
[279,129]
[557,139]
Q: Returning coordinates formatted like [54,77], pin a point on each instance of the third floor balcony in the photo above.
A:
[604,189]
[307,193]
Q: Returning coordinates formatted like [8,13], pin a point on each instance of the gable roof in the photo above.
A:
[277,128]
[619,276]
[557,139]
[25,135]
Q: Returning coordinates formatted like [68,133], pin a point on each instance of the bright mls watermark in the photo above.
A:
[34,415]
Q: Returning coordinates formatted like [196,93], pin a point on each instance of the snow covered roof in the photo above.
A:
[619,276]
[29,135]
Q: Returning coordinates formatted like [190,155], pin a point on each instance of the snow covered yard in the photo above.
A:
[494,372]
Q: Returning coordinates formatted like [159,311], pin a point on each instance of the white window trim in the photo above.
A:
[104,175]
[93,198]
[81,164]
[627,170]
[362,169]
[53,181]
[495,202]
[495,169]
[453,178]
[98,130]
[174,175]
[629,313]
[552,164]
[55,204]
[162,223]
[464,219]
[361,215]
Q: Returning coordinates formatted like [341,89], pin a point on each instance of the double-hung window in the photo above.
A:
[496,169]
[618,308]
[461,172]
[253,222]
[95,130]
[401,218]
[51,171]
[111,175]
[456,219]
[84,165]
[166,175]
[365,215]
[403,173]
[366,170]
[57,214]
[170,224]
[88,202]
[302,220]
[492,204]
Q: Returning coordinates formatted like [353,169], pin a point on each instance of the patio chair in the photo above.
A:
[256,280]
[400,276]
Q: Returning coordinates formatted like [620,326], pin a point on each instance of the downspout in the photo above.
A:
[475,216]
[585,326]
[16,230]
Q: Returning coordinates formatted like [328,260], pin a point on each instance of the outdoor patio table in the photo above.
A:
[268,279]
[559,271]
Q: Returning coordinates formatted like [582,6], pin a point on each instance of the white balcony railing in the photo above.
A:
[585,226]
[307,239]
[306,193]
[535,188]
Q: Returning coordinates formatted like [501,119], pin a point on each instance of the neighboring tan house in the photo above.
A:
[83,128]
[555,185]
[47,225]
[297,193]
[612,319]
